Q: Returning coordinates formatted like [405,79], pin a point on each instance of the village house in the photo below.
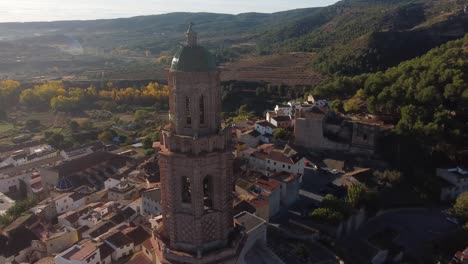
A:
[265,196]
[270,190]
[123,191]
[17,239]
[283,110]
[269,160]
[151,202]
[22,179]
[251,138]
[282,121]
[54,240]
[69,201]
[5,203]
[121,245]
[455,182]
[265,127]
[91,170]
[81,151]
[25,156]
[289,186]
[138,235]
[266,131]
[148,250]
[88,253]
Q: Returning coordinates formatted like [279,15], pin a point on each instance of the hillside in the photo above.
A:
[349,37]
[357,36]
[292,69]
[427,97]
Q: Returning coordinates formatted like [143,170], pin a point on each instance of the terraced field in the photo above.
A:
[288,69]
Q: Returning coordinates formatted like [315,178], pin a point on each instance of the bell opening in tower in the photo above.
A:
[208,192]
[196,165]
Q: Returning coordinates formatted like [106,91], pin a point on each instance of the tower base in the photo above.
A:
[228,255]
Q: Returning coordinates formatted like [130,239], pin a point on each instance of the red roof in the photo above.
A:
[268,185]
[147,244]
[278,155]
[140,258]
[259,203]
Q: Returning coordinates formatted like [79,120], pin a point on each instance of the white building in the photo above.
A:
[5,203]
[265,127]
[111,182]
[283,110]
[81,151]
[11,177]
[21,157]
[151,202]
[88,253]
[251,138]
[121,245]
[281,121]
[69,201]
[266,130]
[456,182]
[268,160]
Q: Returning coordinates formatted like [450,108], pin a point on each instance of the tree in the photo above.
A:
[74,126]
[150,152]
[140,115]
[148,143]
[87,125]
[16,211]
[332,202]
[56,140]
[243,110]
[107,135]
[337,105]
[260,91]
[460,208]
[32,124]
[352,105]
[391,177]
[356,194]
[281,133]
[327,215]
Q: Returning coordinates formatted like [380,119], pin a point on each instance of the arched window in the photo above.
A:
[186,190]
[202,110]
[208,192]
[187,111]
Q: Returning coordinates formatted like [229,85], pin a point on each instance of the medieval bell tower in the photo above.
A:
[196,165]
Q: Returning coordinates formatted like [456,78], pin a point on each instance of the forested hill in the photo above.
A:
[357,36]
[426,96]
[350,37]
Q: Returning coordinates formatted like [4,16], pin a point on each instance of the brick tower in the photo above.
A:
[196,165]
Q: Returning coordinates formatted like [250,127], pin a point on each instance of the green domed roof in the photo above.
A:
[193,59]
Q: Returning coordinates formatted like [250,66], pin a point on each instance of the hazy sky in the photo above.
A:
[50,10]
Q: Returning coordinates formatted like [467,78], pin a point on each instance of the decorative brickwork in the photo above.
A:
[196,165]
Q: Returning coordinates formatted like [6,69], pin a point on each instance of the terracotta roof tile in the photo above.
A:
[270,185]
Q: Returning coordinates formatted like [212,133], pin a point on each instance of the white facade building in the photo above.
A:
[270,161]
[122,246]
[80,254]
[69,202]
[264,127]
[151,202]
